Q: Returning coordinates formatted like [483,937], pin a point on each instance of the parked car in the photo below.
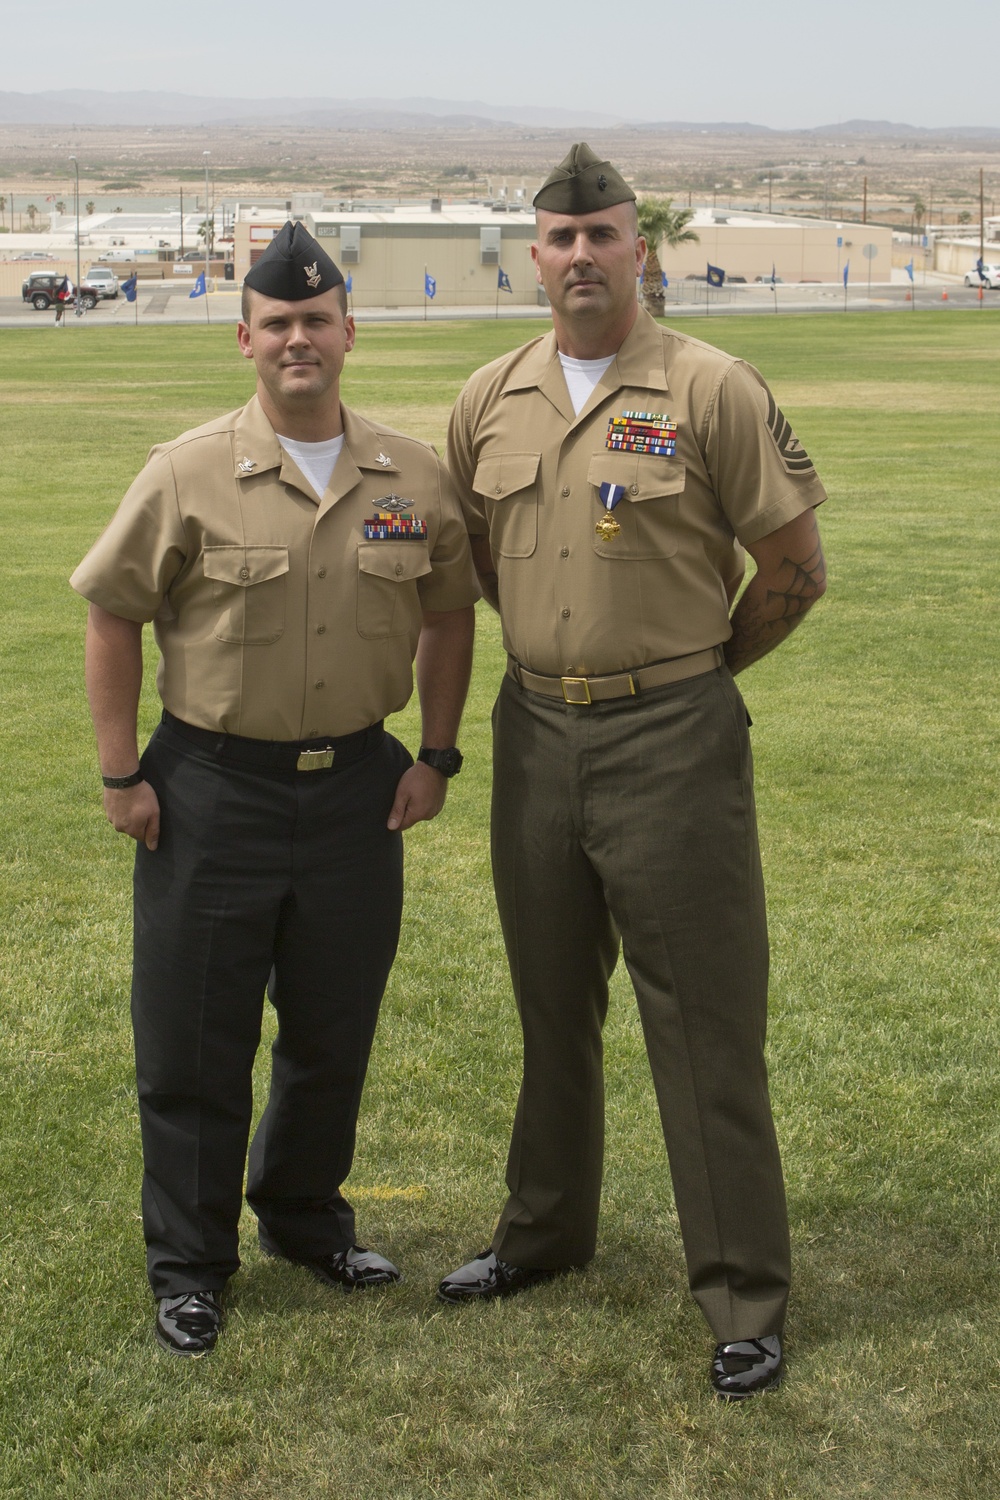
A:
[102,280]
[990,277]
[40,291]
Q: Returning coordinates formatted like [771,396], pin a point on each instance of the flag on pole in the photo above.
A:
[199,289]
[979,267]
[716,275]
[430,285]
[847,267]
[503,281]
[129,287]
[663,278]
[909,270]
[774,274]
[349,283]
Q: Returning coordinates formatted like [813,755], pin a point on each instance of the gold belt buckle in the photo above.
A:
[315,760]
[576,683]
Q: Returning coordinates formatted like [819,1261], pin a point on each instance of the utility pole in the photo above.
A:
[864,204]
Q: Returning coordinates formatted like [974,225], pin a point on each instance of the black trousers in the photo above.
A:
[257,869]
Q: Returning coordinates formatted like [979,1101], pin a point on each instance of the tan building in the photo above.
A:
[386,249]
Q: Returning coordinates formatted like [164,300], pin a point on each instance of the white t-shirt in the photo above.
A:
[581,377]
[316,460]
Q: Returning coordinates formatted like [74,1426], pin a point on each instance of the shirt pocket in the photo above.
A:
[388,601]
[509,484]
[249,585]
[648,512]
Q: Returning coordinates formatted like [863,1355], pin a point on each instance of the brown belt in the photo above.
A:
[584,690]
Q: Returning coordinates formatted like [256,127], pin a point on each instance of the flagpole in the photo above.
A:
[496,308]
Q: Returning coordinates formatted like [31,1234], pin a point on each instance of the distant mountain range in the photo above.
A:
[149,108]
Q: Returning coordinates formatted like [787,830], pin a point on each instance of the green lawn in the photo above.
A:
[875,738]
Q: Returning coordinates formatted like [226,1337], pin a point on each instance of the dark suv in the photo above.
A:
[40,290]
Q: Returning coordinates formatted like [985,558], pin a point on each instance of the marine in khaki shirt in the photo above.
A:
[531,471]
[612,474]
[293,559]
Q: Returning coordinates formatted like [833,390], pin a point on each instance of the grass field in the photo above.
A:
[875,739]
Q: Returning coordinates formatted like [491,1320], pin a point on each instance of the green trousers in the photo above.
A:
[635,819]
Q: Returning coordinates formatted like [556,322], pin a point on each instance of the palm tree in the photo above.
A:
[32,212]
[60,206]
[660,224]
[90,206]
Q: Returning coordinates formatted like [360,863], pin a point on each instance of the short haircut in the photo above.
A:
[249,293]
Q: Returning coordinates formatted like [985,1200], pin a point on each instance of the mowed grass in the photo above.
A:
[875,731]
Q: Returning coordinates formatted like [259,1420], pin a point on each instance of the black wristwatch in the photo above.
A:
[448,762]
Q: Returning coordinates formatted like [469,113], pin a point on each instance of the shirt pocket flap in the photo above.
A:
[645,476]
[501,474]
[243,566]
[400,562]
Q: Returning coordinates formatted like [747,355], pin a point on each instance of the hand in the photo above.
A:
[134,810]
[419,796]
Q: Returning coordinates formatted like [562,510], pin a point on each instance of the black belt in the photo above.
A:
[324,754]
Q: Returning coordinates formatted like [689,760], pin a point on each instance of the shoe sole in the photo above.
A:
[761,1390]
[168,1348]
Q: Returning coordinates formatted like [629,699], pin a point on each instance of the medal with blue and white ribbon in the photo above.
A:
[607,527]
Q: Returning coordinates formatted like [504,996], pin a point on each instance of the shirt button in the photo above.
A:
[566,614]
[399,570]
[564,552]
[633,489]
[321,630]
[321,573]
[244,573]
[565,489]
[499,489]
[320,684]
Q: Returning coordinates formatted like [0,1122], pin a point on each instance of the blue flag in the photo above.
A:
[349,283]
[430,285]
[199,289]
[503,281]
[909,270]
[847,267]
[716,276]
[663,278]
[774,274]
[129,287]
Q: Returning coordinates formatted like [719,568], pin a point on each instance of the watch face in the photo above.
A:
[448,762]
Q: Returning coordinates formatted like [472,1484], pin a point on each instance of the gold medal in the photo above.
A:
[607,528]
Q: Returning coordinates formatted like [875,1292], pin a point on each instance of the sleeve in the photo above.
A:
[762,475]
[131,566]
[461,461]
[452,582]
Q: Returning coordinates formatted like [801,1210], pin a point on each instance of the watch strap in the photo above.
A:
[119,783]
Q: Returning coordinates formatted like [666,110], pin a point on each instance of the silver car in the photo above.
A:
[990,277]
[102,280]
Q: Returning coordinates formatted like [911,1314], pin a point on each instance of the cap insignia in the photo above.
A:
[312,275]
[602,182]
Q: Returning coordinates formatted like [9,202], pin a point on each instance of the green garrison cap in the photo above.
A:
[293,267]
[582,184]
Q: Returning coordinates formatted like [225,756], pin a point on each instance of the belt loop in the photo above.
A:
[515,672]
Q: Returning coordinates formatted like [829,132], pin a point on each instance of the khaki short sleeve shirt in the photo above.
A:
[275,617]
[529,473]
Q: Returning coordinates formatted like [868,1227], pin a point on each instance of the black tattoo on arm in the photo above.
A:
[773,604]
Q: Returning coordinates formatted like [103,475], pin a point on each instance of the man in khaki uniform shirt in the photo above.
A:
[292,558]
[612,473]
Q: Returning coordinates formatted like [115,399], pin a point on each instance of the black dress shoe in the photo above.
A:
[351,1269]
[189,1323]
[743,1368]
[488,1276]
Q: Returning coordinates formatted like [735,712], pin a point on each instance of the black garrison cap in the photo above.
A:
[293,267]
[582,184]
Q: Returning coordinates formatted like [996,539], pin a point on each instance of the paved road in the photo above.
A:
[159,305]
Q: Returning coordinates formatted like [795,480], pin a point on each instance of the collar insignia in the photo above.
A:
[247,465]
[384,461]
[312,274]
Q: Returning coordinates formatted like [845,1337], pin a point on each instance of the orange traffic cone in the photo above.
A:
[944,296]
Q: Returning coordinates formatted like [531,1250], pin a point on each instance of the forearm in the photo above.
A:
[790,577]
[114,679]
[444,666]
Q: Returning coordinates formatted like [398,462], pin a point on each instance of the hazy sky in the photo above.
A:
[773,62]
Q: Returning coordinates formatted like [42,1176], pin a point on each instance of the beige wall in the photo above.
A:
[806,252]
